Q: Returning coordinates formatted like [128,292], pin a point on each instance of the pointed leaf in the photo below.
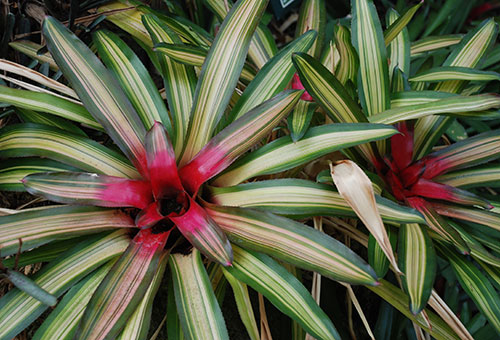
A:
[39,226]
[443,73]
[89,189]
[356,188]
[220,73]
[376,255]
[373,83]
[165,181]
[204,233]
[479,216]
[237,138]
[299,198]
[199,312]
[347,68]
[98,90]
[488,175]
[281,288]
[417,259]
[133,78]
[312,16]
[402,146]
[29,116]
[31,49]
[273,77]
[398,24]
[477,286]
[179,80]
[48,103]
[18,310]
[434,42]
[300,118]
[292,242]
[23,140]
[122,289]
[282,154]
[399,48]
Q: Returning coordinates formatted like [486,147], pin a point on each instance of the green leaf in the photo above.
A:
[455,105]
[62,321]
[428,44]
[29,116]
[12,171]
[18,310]
[417,260]
[244,305]
[179,81]
[300,118]
[348,65]
[399,48]
[373,83]
[274,77]
[438,328]
[397,24]
[133,78]
[443,73]
[376,256]
[39,226]
[282,288]
[24,140]
[486,218]
[488,175]
[31,49]
[220,73]
[98,90]
[299,198]
[312,16]
[199,312]
[25,284]
[292,242]
[123,288]
[44,102]
[282,154]
[477,286]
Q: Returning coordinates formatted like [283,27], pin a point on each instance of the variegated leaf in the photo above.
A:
[312,16]
[432,43]
[397,24]
[399,48]
[443,73]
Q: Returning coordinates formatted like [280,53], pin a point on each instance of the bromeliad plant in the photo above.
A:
[156,179]
[423,90]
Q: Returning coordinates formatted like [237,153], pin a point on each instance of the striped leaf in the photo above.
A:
[488,175]
[443,73]
[300,118]
[331,57]
[199,313]
[48,103]
[179,81]
[195,56]
[397,24]
[37,77]
[417,260]
[24,140]
[399,82]
[376,256]
[312,16]
[483,217]
[12,171]
[40,226]
[300,199]
[446,314]
[89,189]
[174,329]
[62,321]
[292,242]
[31,49]
[399,47]
[282,154]
[477,286]
[243,304]
[272,78]
[432,324]
[204,233]
[453,105]
[347,68]
[432,43]
[468,53]
[18,310]
[356,189]
[237,138]
[220,73]
[262,46]
[123,288]
[284,290]
[98,90]
[133,78]
[25,284]
[411,98]
[373,83]
[137,326]
[437,223]
[29,116]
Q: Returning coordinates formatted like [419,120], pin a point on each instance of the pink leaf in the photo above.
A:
[297,85]
[402,146]
[149,216]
